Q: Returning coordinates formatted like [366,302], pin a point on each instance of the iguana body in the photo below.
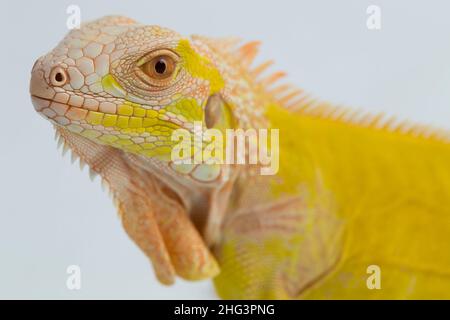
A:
[351,191]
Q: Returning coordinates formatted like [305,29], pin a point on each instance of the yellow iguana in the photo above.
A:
[352,192]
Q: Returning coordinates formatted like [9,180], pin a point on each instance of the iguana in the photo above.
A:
[352,190]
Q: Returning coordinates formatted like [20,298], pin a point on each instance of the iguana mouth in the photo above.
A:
[40,103]
[60,113]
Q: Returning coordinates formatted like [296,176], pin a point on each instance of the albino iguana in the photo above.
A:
[351,190]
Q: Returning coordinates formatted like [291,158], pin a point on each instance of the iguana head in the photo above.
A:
[127,85]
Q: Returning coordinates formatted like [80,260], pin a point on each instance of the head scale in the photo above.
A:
[126,85]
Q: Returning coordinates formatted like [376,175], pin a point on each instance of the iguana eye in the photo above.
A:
[159,66]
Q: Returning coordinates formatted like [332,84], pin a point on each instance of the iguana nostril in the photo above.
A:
[58,76]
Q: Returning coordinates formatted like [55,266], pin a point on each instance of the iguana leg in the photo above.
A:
[151,214]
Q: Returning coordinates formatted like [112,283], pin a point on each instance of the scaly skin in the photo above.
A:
[351,191]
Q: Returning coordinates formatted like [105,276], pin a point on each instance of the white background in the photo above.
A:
[52,216]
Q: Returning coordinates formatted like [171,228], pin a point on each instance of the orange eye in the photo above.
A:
[161,67]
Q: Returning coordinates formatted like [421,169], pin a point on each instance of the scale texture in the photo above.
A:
[352,190]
